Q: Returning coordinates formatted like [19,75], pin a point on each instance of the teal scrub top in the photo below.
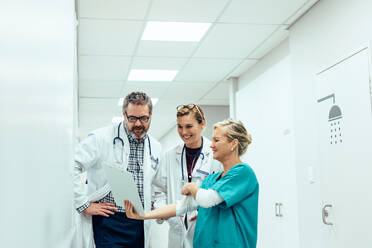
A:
[232,223]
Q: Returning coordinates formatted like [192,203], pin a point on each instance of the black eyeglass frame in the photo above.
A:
[133,119]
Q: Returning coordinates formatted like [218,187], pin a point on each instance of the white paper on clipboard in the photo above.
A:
[123,188]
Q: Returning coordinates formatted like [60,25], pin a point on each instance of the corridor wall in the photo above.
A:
[37,126]
[265,105]
[330,31]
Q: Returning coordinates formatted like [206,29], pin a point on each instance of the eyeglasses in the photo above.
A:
[190,106]
[142,119]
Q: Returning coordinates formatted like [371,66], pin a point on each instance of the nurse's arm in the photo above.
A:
[161,213]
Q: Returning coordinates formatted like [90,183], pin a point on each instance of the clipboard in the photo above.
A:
[123,188]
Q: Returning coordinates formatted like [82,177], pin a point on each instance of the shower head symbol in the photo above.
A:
[334,119]
[334,113]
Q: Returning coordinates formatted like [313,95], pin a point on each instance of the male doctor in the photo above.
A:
[128,146]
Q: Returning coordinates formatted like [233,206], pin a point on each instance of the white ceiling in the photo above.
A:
[109,45]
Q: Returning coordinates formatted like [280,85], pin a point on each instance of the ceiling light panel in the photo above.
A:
[127,9]
[233,40]
[206,70]
[190,10]
[261,11]
[175,31]
[108,37]
[103,67]
[165,48]
[152,75]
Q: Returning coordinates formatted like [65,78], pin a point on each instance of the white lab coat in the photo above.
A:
[97,151]
[168,186]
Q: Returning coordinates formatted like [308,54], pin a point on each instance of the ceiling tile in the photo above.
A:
[186,92]
[100,88]
[107,37]
[261,11]
[153,89]
[166,48]
[274,40]
[158,63]
[233,40]
[88,104]
[127,9]
[186,11]
[243,67]
[221,91]
[103,67]
[206,70]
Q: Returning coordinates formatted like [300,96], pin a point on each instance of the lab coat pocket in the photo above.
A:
[175,223]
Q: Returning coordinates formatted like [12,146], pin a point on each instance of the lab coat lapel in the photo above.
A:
[179,149]
[126,151]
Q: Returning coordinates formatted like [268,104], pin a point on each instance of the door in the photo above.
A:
[266,109]
[345,145]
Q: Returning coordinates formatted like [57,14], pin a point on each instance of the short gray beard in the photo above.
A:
[136,137]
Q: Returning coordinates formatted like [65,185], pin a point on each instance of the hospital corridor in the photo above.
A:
[186,123]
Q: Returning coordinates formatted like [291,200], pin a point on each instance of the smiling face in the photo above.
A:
[138,128]
[221,146]
[190,130]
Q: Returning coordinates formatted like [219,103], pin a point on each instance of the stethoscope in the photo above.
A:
[199,153]
[154,161]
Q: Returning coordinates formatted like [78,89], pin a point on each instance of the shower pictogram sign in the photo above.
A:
[334,120]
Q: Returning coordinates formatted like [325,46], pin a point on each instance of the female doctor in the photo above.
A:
[191,161]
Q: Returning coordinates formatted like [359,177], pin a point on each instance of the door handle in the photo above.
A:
[325,214]
[278,209]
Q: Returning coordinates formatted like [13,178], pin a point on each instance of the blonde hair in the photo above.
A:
[193,109]
[236,130]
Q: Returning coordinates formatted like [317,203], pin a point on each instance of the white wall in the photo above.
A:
[328,32]
[331,30]
[265,105]
[37,43]
[212,114]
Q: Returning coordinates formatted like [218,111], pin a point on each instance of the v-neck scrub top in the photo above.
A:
[232,223]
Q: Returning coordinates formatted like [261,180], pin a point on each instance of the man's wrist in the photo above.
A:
[83,207]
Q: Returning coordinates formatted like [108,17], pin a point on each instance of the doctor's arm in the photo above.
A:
[165,212]
[86,155]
